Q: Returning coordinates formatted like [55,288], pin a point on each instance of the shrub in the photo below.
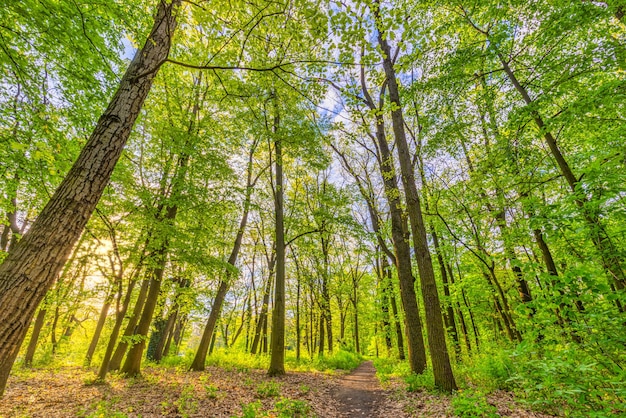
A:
[342,360]
[268,389]
[471,403]
[292,408]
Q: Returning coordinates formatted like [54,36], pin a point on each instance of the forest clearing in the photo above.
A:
[313,208]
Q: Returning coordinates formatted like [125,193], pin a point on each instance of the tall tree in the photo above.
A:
[34,263]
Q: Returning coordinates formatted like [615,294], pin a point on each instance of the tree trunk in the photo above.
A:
[277,359]
[132,364]
[216,308]
[34,337]
[442,369]
[36,260]
[262,319]
[400,237]
[119,318]
[99,325]
[610,258]
[120,351]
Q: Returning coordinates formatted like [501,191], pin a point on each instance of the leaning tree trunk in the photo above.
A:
[115,361]
[104,312]
[36,260]
[34,337]
[610,258]
[262,318]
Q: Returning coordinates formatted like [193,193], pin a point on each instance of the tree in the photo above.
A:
[34,263]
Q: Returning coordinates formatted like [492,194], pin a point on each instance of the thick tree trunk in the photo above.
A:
[36,260]
[442,369]
[400,237]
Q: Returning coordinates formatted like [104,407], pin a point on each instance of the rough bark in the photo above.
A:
[442,369]
[36,260]
[400,238]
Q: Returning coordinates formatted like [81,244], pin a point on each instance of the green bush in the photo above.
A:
[292,408]
[342,360]
[268,389]
[252,410]
[417,382]
[472,404]
[491,369]
[570,383]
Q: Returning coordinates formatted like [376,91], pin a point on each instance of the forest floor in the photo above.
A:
[225,392]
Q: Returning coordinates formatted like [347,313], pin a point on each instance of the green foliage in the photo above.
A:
[253,410]
[212,391]
[180,361]
[568,381]
[268,389]
[490,369]
[342,360]
[470,403]
[186,403]
[104,409]
[292,408]
[237,360]
[388,367]
[419,382]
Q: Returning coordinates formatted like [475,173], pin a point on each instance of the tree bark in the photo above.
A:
[442,369]
[277,359]
[36,260]
[400,238]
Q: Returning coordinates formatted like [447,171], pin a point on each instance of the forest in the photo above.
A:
[304,208]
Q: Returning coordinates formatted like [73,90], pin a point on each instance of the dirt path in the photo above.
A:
[359,394]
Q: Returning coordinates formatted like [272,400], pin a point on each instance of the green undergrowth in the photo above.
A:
[234,360]
[283,408]
[560,380]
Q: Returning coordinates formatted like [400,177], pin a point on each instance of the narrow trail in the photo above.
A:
[359,393]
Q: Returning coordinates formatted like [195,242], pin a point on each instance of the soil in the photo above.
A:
[359,393]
